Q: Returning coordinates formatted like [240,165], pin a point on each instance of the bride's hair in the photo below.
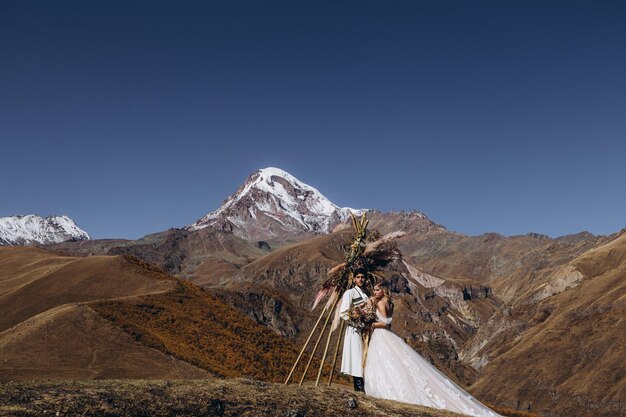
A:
[385,285]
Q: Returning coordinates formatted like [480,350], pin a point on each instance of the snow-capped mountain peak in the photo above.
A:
[29,229]
[273,203]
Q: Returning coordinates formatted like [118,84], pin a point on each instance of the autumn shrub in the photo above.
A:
[192,325]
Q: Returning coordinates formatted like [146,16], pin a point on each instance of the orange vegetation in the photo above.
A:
[196,327]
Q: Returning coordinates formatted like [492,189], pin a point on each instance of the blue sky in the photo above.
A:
[133,117]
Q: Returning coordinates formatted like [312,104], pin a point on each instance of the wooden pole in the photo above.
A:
[330,313]
[330,333]
[366,346]
[293,368]
[339,339]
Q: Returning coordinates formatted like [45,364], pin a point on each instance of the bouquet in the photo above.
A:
[362,317]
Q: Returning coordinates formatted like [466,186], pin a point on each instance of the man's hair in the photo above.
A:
[360,271]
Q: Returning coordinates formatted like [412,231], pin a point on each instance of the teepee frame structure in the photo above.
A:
[340,280]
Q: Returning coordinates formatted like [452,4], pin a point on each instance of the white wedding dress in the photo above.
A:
[394,371]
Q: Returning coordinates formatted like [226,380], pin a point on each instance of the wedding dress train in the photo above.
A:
[394,371]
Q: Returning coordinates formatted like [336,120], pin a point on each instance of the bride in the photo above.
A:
[395,371]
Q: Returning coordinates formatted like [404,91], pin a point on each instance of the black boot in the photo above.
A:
[358,383]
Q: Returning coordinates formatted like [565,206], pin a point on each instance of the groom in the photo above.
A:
[352,357]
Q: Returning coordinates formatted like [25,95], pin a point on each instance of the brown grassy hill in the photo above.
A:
[573,362]
[47,332]
[97,317]
[74,342]
[33,281]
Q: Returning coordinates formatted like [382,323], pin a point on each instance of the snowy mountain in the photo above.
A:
[26,230]
[273,204]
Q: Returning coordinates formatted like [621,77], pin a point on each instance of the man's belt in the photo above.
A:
[357,301]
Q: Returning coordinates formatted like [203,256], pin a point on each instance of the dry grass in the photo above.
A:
[510,412]
[213,397]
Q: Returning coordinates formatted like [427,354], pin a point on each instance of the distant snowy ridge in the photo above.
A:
[274,202]
[29,229]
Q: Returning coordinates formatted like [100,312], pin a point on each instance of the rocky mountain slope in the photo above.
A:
[435,315]
[31,229]
[274,205]
[573,358]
